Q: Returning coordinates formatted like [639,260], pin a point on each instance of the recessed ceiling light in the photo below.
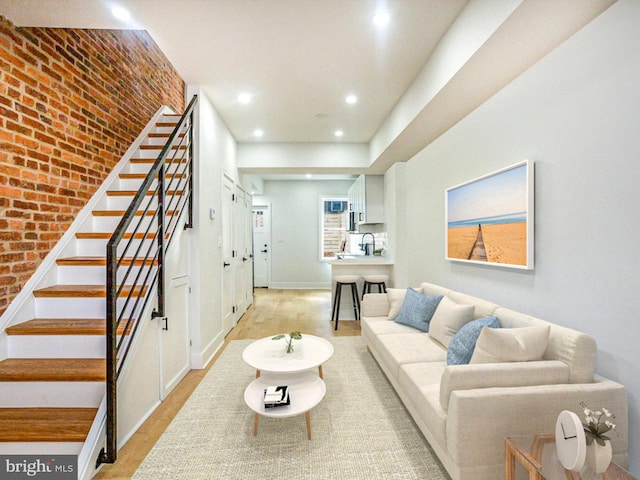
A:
[308,175]
[338,133]
[381,18]
[121,13]
[244,98]
[258,133]
[351,99]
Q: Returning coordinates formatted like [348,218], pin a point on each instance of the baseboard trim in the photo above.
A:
[301,285]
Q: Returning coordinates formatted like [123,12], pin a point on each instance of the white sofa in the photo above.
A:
[466,411]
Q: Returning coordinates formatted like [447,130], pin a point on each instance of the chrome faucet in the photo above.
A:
[365,246]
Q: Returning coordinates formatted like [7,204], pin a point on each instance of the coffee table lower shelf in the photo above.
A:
[306,390]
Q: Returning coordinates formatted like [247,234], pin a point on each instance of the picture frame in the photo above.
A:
[490,220]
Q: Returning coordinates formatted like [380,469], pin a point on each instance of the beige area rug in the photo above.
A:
[359,431]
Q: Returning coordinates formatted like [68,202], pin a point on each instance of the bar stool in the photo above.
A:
[343,281]
[370,280]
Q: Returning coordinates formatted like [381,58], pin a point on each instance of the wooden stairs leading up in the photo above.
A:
[53,381]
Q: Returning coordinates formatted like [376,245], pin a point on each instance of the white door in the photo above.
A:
[228,309]
[247,257]
[238,254]
[261,245]
[174,336]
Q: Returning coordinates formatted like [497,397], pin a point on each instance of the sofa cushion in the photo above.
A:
[396,299]
[420,383]
[448,318]
[401,348]
[576,349]
[463,343]
[497,345]
[373,327]
[483,308]
[418,309]
[491,375]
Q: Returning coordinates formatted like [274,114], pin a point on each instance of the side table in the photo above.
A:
[529,451]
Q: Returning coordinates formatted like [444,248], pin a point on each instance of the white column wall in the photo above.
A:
[215,149]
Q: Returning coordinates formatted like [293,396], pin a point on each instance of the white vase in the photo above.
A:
[599,456]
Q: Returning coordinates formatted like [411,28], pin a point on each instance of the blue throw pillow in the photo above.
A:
[464,341]
[418,309]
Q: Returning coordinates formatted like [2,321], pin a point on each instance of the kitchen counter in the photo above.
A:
[361,260]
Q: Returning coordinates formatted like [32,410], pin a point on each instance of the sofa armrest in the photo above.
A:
[479,420]
[375,305]
[515,374]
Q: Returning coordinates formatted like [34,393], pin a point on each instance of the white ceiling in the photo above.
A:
[300,58]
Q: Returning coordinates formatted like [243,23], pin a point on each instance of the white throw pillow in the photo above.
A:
[496,345]
[396,300]
[448,318]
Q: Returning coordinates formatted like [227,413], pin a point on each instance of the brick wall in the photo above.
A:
[71,103]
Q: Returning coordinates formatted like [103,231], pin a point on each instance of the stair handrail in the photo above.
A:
[173,192]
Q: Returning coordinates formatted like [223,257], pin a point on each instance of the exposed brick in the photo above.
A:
[71,103]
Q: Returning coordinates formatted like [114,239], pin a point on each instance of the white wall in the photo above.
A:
[575,114]
[295,230]
[331,158]
[215,149]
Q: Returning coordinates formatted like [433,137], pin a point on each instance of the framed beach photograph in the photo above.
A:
[489,220]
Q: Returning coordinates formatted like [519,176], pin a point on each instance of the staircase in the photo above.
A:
[52,382]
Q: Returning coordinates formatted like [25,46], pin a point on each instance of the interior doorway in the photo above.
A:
[261,245]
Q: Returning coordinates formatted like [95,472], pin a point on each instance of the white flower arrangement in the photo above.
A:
[596,424]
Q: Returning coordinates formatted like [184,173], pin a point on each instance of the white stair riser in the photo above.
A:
[36,448]
[56,346]
[51,394]
[132,183]
[166,130]
[122,203]
[175,152]
[109,224]
[98,247]
[75,307]
[145,167]
[92,275]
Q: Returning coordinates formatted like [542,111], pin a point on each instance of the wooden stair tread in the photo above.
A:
[120,213]
[45,424]
[53,370]
[153,160]
[62,326]
[131,193]
[163,135]
[159,147]
[101,261]
[84,291]
[142,176]
[107,235]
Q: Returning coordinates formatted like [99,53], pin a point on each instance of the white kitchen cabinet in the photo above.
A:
[366,200]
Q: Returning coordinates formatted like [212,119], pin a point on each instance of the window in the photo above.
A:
[334,218]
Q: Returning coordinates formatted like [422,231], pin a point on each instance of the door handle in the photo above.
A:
[244,259]
[225,264]
[264,251]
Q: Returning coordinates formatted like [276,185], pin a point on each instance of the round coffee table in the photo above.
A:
[269,355]
[306,390]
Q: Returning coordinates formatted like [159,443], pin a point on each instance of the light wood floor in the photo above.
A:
[272,312]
